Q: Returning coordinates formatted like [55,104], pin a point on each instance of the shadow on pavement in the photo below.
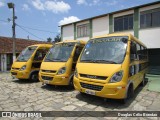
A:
[109,103]
[57,88]
[24,81]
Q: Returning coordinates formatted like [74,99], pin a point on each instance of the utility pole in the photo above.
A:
[11,5]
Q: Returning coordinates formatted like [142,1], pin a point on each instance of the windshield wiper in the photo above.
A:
[21,59]
[58,60]
[105,61]
[54,60]
[47,59]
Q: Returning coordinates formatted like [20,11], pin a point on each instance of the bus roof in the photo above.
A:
[131,37]
[42,45]
[75,41]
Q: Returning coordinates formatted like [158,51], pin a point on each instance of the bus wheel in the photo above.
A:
[82,93]
[34,77]
[130,94]
[143,81]
[71,83]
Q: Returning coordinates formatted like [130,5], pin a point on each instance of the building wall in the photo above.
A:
[150,36]
[100,26]
[123,13]
[127,31]
[105,25]
[83,38]
[149,7]
[3,58]
[68,32]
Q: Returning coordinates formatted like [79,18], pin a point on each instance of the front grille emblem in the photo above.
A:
[91,76]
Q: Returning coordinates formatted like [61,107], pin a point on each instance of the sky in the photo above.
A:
[41,19]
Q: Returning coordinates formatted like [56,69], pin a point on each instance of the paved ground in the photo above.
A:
[16,95]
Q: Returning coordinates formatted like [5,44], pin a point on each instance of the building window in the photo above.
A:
[123,23]
[150,18]
[83,30]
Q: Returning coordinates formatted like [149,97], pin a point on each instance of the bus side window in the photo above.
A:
[145,53]
[142,53]
[133,49]
[77,53]
[138,51]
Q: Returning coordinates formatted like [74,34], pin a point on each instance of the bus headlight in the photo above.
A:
[116,77]
[62,70]
[76,73]
[23,67]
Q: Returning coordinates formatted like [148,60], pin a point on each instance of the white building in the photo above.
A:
[142,21]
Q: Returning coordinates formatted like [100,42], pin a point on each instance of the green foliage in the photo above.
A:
[57,38]
[49,39]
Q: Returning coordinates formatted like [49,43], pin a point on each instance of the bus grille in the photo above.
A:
[92,87]
[13,73]
[15,68]
[49,71]
[93,76]
[47,78]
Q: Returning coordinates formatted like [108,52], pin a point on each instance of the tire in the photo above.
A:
[82,93]
[130,94]
[34,77]
[71,83]
[123,101]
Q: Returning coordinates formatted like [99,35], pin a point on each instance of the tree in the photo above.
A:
[57,38]
[49,39]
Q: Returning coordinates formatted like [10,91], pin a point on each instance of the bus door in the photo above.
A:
[76,56]
[38,57]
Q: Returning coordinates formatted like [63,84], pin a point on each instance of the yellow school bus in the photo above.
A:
[28,63]
[111,66]
[59,64]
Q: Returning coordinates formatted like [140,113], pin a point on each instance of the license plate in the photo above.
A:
[46,81]
[91,92]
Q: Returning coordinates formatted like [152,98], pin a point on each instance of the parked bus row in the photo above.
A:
[109,66]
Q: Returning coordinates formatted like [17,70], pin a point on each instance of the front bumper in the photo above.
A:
[19,74]
[53,79]
[107,90]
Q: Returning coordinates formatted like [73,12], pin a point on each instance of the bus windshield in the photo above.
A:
[26,54]
[59,52]
[108,50]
